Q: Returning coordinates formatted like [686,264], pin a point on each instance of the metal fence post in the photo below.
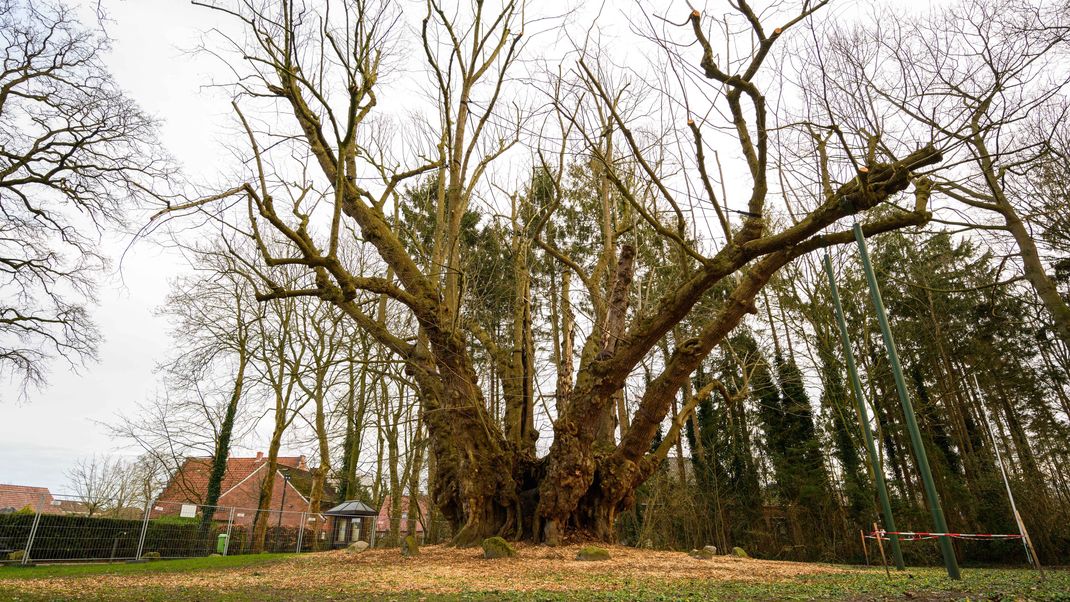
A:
[144,530]
[230,523]
[301,531]
[33,533]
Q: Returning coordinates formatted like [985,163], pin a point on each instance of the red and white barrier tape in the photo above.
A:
[921,535]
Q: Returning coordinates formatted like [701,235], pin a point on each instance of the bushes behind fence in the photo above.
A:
[71,537]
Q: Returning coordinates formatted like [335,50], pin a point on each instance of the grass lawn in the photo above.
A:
[53,571]
[539,573]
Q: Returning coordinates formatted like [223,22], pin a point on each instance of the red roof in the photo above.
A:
[190,484]
[20,496]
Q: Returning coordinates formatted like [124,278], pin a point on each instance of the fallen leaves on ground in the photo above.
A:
[442,569]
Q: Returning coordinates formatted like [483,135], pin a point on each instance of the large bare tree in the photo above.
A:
[328,176]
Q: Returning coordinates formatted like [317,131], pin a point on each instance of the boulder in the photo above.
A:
[357,547]
[496,547]
[740,552]
[17,555]
[150,556]
[409,547]
[702,554]
[711,549]
[593,553]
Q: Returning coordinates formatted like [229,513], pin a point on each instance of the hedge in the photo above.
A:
[69,537]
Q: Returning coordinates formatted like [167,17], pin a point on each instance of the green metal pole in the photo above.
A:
[863,417]
[908,412]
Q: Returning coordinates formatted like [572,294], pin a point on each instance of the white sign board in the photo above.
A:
[188,511]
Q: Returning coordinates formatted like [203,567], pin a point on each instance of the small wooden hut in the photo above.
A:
[351,521]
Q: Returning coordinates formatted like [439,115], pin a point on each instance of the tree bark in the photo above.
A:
[267,487]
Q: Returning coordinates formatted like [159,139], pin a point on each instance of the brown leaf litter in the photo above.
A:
[443,569]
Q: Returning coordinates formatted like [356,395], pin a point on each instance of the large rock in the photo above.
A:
[738,551]
[496,547]
[711,549]
[357,547]
[593,553]
[409,547]
[702,554]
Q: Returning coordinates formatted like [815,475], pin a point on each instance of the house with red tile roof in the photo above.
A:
[16,497]
[240,490]
[39,499]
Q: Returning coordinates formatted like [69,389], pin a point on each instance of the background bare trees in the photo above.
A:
[985,80]
[75,154]
[526,309]
[114,486]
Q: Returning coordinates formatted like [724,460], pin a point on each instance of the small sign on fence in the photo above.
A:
[188,511]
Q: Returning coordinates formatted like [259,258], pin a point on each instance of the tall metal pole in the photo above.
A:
[863,417]
[908,412]
[1027,543]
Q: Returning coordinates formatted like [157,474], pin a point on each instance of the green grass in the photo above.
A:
[856,585]
[927,584]
[48,571]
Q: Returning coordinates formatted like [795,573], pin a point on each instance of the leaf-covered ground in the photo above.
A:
[539,573]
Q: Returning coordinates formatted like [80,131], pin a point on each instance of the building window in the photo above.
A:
[340,532]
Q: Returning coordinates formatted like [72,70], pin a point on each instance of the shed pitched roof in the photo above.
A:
[352,508]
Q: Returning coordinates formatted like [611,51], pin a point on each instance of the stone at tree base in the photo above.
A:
[357,547]
[703,554]
[496,547]
[738,551]
[593,553]
[409,547]
[711,549]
